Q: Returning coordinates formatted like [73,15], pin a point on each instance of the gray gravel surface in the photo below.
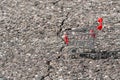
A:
[31,45]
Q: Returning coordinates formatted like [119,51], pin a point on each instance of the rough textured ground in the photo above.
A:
[30,41]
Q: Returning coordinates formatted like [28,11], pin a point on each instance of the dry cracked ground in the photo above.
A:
[31,45]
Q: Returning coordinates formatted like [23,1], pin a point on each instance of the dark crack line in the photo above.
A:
[61,49]
[48,70]
[56,2]
[62,23]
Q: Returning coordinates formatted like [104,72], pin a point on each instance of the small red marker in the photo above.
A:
[100,20]
[66,40]
[99,27]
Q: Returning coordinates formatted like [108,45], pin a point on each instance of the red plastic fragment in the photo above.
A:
[100,20]
[99,27]
[66,40]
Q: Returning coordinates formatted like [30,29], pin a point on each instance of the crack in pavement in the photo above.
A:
[62,23]
[56,2]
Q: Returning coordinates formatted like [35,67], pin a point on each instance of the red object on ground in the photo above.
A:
[66,40]
[92,33]
[99,27]
[100,20]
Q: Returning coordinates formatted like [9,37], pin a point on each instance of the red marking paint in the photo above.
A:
[99,27]
[100,20]
[66,40]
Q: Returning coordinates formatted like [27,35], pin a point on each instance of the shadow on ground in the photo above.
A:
[97,55]
[101,55]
